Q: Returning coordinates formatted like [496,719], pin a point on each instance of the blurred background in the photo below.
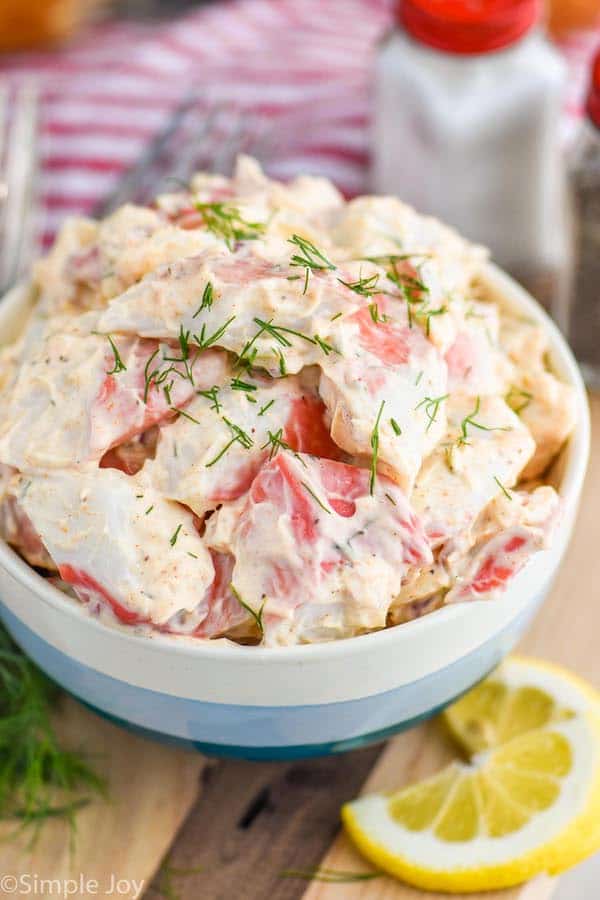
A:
[365,92]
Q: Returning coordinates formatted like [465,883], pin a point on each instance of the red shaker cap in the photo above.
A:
[592,106]
[468,26]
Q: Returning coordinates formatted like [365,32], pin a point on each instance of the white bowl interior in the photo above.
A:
[480,619]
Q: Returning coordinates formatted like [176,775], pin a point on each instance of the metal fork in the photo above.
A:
[197,136]
[18,182]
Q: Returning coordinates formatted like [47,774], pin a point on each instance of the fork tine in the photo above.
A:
[20,168]
[129,185]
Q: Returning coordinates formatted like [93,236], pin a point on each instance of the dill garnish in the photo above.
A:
[204,342]
[239,436]
[264,408]
[376,315]
[282,365]
[213,396]
[427,314]
[432,405]
[315,497]
[331,876]
[470,420]
[39,779]
[504,490]
[257,616]
[186,415]
[337,316]
[366,287]
[396,427]
[309,258]
[238,385]
[175,535]
[119,365]
[325,347]
[149,510]
[391,499]
[226,222]
[375,449]
[207,299]
[275,442]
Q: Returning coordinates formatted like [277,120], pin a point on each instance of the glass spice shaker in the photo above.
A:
[583,325]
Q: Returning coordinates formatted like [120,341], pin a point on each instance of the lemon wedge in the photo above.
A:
[521,695]
[528,803]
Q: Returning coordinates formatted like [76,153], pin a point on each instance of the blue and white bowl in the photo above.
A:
[282,703]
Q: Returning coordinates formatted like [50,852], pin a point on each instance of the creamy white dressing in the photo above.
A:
[330,428]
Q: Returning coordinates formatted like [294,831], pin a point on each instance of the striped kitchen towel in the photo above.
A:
[305,67]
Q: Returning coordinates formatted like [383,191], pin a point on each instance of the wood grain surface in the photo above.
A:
[566,631]
[151,790]
[249,822]
[253,821]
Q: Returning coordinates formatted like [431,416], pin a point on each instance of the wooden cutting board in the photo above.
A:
[152,788]
[566,631]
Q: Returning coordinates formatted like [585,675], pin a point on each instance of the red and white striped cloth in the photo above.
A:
[106,94]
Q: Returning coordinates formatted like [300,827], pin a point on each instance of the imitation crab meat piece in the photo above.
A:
[483,453]
[266,312]
[119,543]
[387,385]
[512,530]
[476,366]
[317,556]
[92,262]
[213,452]
[16,527]
[81,394]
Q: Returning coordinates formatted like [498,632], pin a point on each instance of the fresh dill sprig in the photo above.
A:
[204,342]
[213,396]
[396,428]
[238,385]
[432,405]
[427,314]
[315,497]
[119,365]
[149,510]
[225,221]
[186,415]
[376,315]
[309,258]
[470,420]
[175,535]
[257,616]
[264,408]
[366,287]
[239,436]
[504,490]
[39,780]
[331,876]
[324,345]
[207,299]
[375,449]
[275,443]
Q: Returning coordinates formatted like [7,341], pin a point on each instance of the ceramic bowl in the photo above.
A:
[283,703]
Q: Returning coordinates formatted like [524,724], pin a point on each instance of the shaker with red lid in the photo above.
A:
[467,107]
[583,327]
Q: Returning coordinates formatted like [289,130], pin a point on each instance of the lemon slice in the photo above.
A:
[521,695]
[525,806]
